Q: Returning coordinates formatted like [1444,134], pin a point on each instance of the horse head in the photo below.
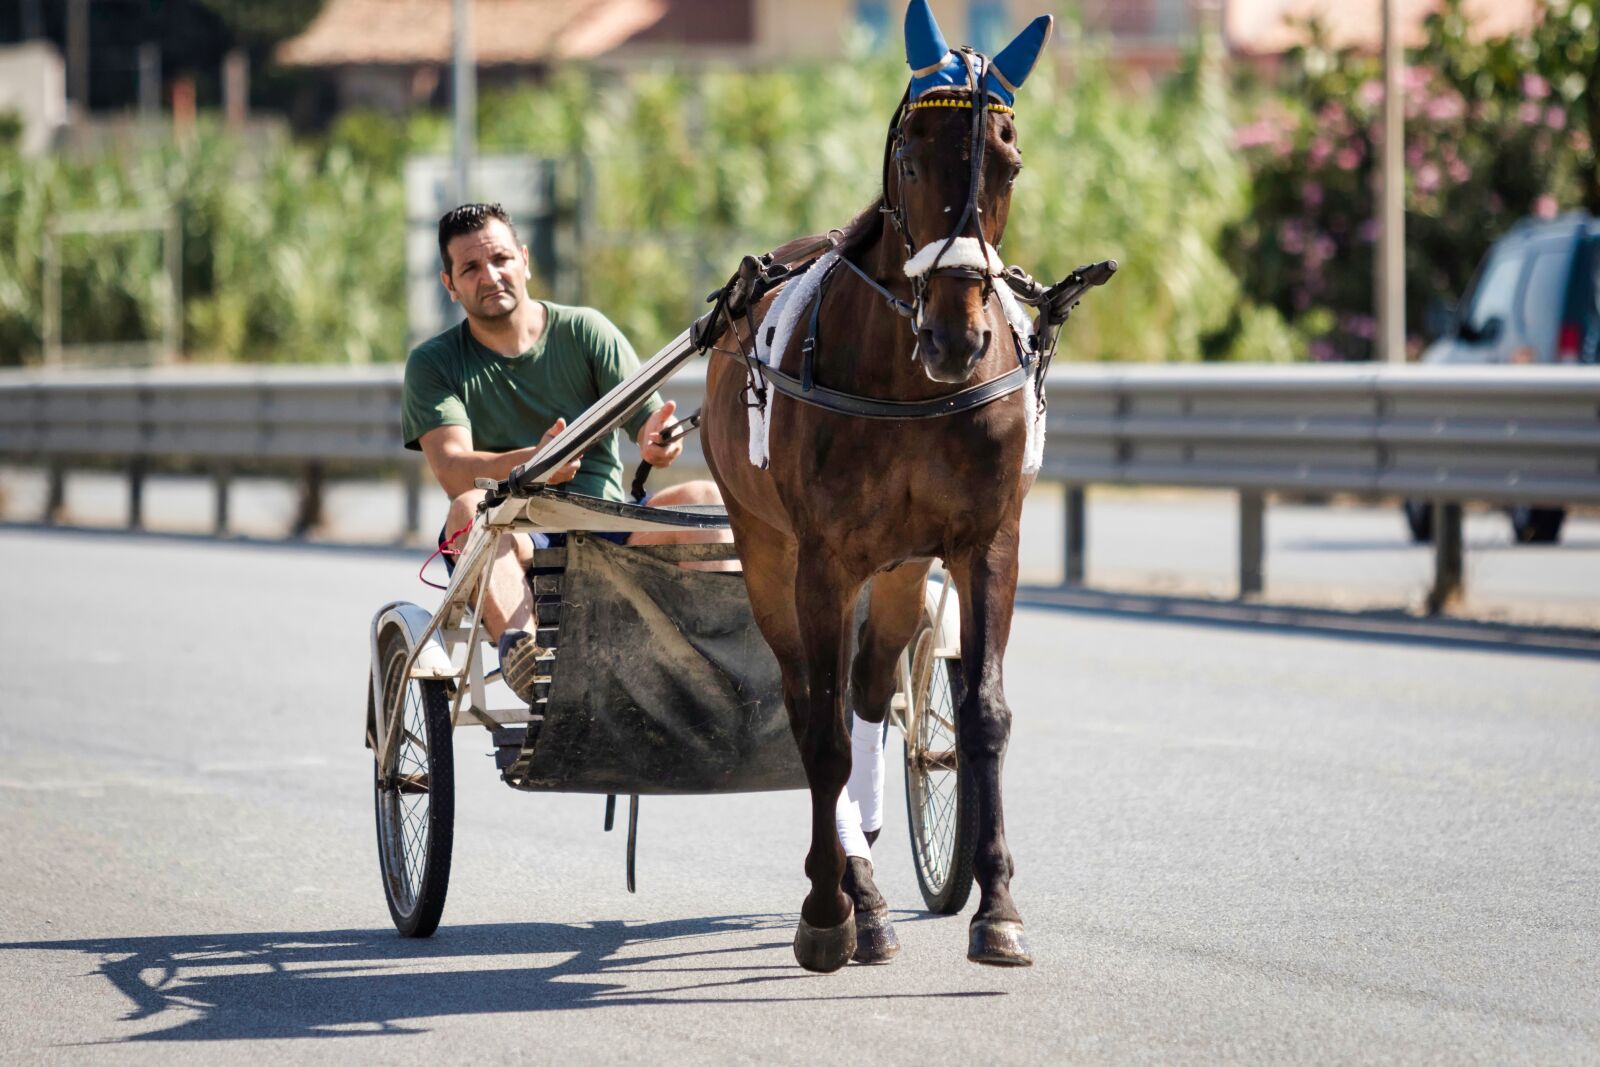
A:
[953,157]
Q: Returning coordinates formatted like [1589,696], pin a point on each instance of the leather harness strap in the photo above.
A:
[866,407]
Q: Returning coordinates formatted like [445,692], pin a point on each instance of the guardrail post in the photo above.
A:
[1449,556]
[136,467]
[310,516]
[55,501]
[221,480]
[1252,523]
[1076,537]
[412,480]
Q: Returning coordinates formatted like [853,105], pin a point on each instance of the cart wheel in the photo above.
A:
[939,805]
[416,813]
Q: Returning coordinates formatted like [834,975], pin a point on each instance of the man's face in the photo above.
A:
[488,273]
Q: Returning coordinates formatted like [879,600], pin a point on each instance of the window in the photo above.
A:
[987,22]
[1493,295]
[872,16]
[1543,298]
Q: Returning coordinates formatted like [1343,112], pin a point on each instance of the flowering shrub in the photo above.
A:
[1495,131]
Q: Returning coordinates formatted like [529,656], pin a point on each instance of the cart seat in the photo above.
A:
[559,510]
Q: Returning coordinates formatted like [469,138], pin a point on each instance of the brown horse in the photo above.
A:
[846,499]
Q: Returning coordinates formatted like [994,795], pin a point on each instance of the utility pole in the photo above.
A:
[78,54]
[464,93]
[149,83]
[1391,264]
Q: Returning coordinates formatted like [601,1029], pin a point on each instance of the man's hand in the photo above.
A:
[560,474]
[650,447]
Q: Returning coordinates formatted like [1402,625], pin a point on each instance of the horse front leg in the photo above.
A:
[826,937]
[987,582]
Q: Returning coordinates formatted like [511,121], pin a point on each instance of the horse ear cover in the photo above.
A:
[933,65]
[1011,67]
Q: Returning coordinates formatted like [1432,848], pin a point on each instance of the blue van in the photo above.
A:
[1534,299]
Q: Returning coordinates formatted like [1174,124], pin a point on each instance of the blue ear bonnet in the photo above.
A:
[935,66]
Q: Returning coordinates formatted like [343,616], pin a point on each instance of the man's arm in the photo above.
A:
[456,465]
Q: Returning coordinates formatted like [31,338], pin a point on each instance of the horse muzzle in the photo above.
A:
[950,356]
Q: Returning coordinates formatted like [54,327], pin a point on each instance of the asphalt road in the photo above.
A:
[1233,844]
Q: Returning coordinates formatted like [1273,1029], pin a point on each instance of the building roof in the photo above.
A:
[1268,26]
[411,32]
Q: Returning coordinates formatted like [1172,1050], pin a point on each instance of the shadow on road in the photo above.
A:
[1386,625]
[341,983]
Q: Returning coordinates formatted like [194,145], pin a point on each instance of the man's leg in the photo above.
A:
[701,492]
[508,600]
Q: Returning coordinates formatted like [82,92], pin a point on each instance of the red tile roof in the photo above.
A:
[410,32]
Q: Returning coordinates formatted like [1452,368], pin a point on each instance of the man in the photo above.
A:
[483,397]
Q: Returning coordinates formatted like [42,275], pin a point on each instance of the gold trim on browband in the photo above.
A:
[998,108]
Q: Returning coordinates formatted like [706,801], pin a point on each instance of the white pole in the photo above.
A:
[464,97]
[1392,185]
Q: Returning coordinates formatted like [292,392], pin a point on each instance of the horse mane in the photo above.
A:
[862,231]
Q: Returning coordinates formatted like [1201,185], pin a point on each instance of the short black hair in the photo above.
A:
[470,218]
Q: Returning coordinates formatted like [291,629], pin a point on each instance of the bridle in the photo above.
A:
[972,98]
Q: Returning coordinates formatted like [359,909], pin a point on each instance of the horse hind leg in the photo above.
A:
[861,804]
[894,612]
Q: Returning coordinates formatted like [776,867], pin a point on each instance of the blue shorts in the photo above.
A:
[541,540]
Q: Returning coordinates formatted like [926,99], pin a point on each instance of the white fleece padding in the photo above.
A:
[966,252]
[792,301]
[860,806]
[1033,455]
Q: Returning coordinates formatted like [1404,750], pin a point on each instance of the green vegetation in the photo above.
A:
[1249,243]
[1496,131]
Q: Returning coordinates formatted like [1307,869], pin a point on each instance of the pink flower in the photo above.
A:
[1555,118]
[1415,80]
[1322,250]
[1427,178]
[1579,141]
[1413,156]
[1320,150]
[1534,87]
[1446,108]
[1262,132]
[1529,114]
[1371,93]
[1369,230]
[1311,194]
[1496,204]
[1350,156]
[1291,237]
[1546,207]
[1458,170]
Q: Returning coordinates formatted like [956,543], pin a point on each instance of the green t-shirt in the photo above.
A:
[453,380]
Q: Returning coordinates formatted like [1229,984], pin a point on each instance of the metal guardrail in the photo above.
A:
[1498,434]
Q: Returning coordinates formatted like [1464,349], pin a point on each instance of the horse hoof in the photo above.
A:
[825,949]
[875,938]
[998,943]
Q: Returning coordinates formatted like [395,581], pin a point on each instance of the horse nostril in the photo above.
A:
[928,345]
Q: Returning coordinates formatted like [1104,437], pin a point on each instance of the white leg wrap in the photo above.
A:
[847,816]
[866,772]
[860,807]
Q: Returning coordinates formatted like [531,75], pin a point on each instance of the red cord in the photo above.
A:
[443,549]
